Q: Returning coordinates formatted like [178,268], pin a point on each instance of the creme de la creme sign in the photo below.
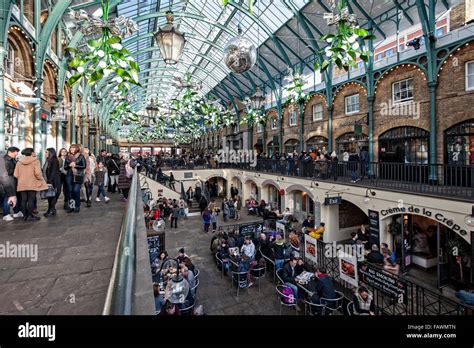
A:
[425,212]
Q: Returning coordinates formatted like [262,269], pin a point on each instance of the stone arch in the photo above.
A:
[394,68]
[49,83]
[341,88]
[268,182]
[298,187]
[23,63]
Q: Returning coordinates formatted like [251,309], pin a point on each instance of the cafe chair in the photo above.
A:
[279,276]
[188,310]
[258,273]
[282,297]
[333,305]
[194,288]
[240,278]
[313,309]
[350,308]
[219,262]
[196,273]
[269,261]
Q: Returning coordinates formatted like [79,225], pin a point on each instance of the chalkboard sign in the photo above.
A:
[188,175]
[393,286]
[374,227]
[251,229]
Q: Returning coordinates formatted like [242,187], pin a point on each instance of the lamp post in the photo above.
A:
[177,288]
[152,111]
[170,41]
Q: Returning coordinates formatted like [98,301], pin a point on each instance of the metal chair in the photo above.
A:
[335,304]
[196,273]
[258,273]
[350,308]
[279,276]
[187,310]
[268,260]
[240,278]
[291,301]
[219,262]
[314,309]
[194,288]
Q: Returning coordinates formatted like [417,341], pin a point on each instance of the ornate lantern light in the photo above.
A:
[170,41]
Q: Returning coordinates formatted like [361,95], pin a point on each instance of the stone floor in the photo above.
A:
[215,292]
[75,259]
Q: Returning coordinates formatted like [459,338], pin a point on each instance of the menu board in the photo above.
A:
[348,268]
[374,227]
[281,228]
[251,229]
[390,285]
[310,248]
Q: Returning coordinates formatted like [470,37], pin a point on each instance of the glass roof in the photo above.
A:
[283,39]
[208,27]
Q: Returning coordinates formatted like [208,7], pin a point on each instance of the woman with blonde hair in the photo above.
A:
[75,166]
[89,173]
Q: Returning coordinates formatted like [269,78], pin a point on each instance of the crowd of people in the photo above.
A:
[70,172]
[316,162]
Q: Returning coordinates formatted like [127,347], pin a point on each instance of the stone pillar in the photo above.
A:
[330,216]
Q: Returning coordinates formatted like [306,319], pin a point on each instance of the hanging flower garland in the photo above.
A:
[123,113]
[106,56]
[295,89]
[344,47]
[253,116]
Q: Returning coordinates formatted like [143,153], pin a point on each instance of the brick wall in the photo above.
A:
[454,104]
[385,118]
[315,128]
[343,123]
[458,16]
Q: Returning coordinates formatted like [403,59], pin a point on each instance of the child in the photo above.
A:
[101,180]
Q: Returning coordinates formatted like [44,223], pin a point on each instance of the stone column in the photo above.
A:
[330,216]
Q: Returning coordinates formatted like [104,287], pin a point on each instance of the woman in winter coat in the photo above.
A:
[88,179]
[75,167]
[124,181]
[62,160]
[30,181]
[52,175]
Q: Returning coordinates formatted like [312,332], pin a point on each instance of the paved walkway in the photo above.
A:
[74,260]
[214,292]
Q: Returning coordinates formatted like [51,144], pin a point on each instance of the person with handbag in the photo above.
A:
[75,166]
[62,161]
[52,175]
[30,181]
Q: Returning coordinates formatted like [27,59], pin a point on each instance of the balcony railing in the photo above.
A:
[429,179]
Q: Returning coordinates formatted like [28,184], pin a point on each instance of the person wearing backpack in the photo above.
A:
[113,170]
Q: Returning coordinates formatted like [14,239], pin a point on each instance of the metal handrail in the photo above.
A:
[120,291]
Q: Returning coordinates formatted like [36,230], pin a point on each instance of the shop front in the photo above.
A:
[292,145]
[349,142]
[14,122]
[428,244]
[317,143]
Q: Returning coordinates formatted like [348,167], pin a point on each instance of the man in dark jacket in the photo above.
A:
[10,163]
[321,286]
[113,171]
[375,256]
[7,184]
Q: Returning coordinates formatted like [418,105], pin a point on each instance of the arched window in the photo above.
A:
[292,145]
[316,143]
[350,141]
[460,144]
[404,145]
